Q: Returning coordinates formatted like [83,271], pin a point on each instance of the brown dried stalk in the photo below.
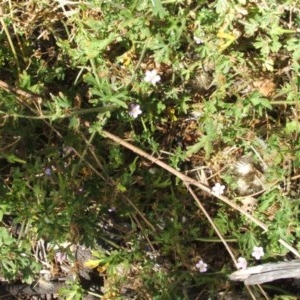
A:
[190,181]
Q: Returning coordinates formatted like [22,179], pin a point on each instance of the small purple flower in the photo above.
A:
[60,257]
[258,252]
[135,110]
[48,172]
[241,263]
[201,266]
[152,77]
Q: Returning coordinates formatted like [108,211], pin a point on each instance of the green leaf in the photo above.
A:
[132,166]
[11,158]
[222,7]
[193,149]
[292,126]
[62,101]
[158,9]
[74,123]
[204,143]
[257,101]
[251,27]
[121,188]
[25,80]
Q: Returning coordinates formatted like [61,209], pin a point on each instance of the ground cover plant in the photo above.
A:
[148,148]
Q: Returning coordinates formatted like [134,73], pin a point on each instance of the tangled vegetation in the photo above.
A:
[162,135]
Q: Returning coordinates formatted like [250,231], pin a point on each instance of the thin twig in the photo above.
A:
[107,179]
[138,63]
[190,181]
[82,156]
[36,99]
[139,213]
[250,292]
[262,291]
[212,223]
[144,233]
[186,179]
[19,92]
[9,39]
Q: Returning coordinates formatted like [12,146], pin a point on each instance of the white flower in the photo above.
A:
[135,110]
[153,255]
[152,77]
[201,266]
[241,263]
[244,166]
[197,40]
[157,268]
[194,115]
[218,189]
[258,252]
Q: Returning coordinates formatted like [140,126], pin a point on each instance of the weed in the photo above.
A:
[162,135]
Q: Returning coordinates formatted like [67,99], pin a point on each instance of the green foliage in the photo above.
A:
[226,86]
[72,291]
[16,258]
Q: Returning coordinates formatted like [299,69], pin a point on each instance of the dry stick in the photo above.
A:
[29,96]
[212,223]
[111,182]
[9,39]
[21,93]
[144,233]
[184,178]
[36,100]
[190,181]
[262,291]
[98,163]
[140,213]
[250,292]
[82,157]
